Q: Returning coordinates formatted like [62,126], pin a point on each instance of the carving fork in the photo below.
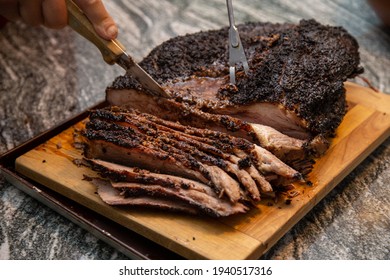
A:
[236,50]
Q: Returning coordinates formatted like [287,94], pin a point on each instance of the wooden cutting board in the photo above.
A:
[365,126]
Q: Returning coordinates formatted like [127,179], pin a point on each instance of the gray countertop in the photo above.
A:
[48,76]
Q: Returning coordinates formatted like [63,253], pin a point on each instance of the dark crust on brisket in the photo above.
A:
[302,67]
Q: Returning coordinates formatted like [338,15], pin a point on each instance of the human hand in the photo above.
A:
[53,14]
[382,9]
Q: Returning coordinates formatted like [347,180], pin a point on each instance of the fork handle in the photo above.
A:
[78,21]
[233,33]
[230,12]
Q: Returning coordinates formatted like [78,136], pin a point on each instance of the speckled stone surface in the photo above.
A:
[49,76]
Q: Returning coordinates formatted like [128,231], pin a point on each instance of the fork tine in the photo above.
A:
[245,65]
[236,54]
[236,50]
[232,73]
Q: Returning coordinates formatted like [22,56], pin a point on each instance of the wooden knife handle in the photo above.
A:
[77,20]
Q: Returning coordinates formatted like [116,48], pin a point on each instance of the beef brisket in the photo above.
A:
[214,147]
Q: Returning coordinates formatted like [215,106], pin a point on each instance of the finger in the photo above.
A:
[98,15]
[55,14]
[31,12]
[9,9]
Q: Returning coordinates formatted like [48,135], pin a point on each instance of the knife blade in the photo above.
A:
[112,50]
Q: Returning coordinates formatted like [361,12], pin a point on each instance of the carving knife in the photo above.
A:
[112,50]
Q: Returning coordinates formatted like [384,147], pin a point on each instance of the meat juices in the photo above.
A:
[216,143]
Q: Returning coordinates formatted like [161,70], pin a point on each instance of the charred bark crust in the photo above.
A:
[300,66]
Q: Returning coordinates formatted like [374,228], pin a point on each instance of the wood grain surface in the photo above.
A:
[365,126]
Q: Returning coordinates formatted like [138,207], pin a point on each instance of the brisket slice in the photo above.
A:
[134,183]
[295,82]
[113,197]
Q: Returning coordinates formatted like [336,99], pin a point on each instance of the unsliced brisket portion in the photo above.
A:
[295,82]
